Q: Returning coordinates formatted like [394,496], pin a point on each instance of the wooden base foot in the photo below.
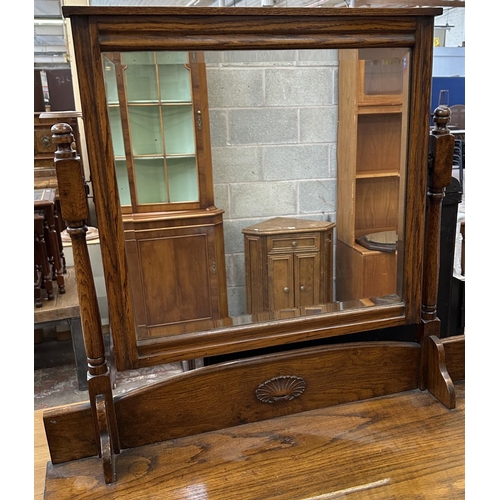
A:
[446,365]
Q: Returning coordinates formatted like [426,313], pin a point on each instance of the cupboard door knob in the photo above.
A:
[302,288]
[294,243]
[286,289]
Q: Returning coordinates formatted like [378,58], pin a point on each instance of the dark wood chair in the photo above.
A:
[43,265]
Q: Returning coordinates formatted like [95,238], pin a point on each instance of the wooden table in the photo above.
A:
[65,308]
[403,446]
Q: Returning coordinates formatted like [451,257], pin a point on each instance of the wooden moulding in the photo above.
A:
[242,391]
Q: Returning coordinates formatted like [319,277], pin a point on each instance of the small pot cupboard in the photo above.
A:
[288,264]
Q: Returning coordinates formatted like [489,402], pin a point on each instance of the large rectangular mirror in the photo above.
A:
[256,184]
[308,153]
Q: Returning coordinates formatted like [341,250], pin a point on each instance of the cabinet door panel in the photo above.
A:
[307,278]
[281,282]
[175,278]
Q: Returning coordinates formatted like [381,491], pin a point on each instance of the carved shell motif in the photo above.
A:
[283,388]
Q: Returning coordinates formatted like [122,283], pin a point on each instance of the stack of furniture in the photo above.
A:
[55,305]
[49,261]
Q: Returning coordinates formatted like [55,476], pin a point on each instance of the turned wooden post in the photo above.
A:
[441,144]
[71,184]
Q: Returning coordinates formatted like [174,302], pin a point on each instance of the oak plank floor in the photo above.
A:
[404,446]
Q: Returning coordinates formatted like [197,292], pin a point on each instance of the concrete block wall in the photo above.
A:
[273,119]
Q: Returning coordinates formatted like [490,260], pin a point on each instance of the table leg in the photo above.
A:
[38,286]
[51,237]
[41,254]
[79,351]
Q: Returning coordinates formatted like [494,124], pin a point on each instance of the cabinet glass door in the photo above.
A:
[150,108]
[382,74]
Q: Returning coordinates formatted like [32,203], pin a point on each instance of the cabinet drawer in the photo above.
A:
[294,243]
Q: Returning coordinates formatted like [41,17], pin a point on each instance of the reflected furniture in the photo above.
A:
[371,162]
[297,376]
[288,264]
[48,237]
[174,241]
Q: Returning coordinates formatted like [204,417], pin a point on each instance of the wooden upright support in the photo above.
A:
[74,209]
[441,143]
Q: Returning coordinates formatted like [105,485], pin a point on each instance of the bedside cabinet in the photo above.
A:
[288,263]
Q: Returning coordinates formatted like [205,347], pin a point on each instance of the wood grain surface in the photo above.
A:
[225,395]
[404,446]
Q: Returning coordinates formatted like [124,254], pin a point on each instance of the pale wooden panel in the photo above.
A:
[379,142]
[363,273]
[376,204]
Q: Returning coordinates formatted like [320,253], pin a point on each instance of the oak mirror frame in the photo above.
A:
[100,31]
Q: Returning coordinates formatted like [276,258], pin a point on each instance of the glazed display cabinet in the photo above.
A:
[157,109]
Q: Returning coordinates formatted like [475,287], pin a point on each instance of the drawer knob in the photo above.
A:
[302,288]
[286,289]
[294,243]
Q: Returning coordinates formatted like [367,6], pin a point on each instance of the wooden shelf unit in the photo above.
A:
[371,159]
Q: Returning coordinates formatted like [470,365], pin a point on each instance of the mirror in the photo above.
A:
[307,152]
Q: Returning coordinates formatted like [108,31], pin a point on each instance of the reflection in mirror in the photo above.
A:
[305,159]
